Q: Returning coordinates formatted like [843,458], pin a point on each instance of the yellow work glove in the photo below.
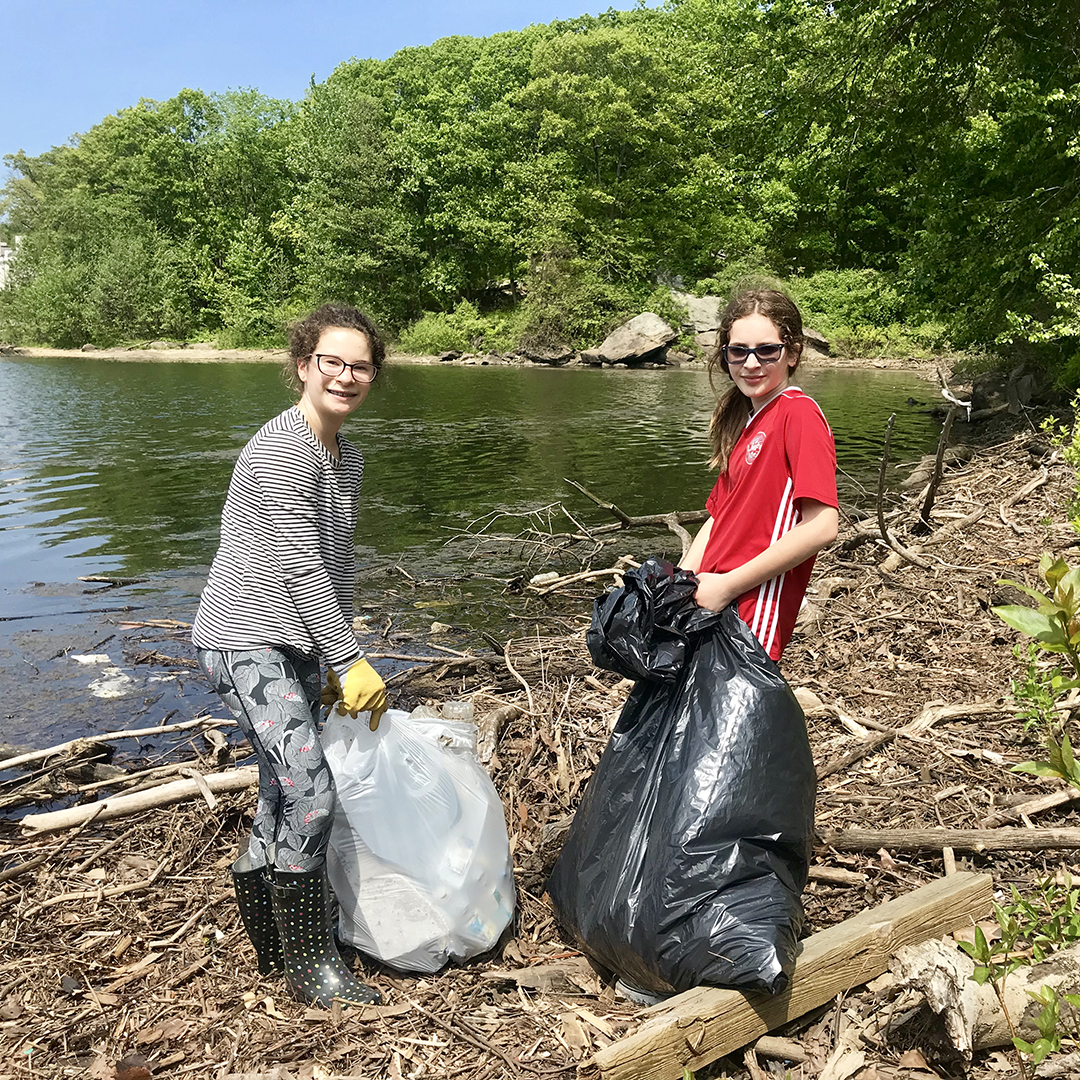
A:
[363,690]
[331,692]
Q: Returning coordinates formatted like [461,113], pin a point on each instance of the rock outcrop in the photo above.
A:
[644,339]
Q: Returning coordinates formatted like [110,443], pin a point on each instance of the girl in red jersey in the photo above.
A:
[774,506]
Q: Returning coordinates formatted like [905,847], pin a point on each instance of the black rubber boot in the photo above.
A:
[257,914]
[314,969]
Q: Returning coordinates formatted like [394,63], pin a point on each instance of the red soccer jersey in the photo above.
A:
[785,453]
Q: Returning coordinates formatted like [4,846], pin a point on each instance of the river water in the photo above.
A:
[120,469]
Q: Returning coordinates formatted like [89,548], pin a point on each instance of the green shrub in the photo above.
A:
[464,329]
[895,339]
[747,272]
[568,304]
[832,300]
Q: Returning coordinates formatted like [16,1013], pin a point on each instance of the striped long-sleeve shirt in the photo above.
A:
[284,573]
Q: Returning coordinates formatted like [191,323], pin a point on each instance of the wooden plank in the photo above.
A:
[1005,839]
[695,1028]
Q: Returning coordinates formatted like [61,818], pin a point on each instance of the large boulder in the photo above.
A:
[643,339]
[702,312]
[706,340]
[553,357]
[816,341]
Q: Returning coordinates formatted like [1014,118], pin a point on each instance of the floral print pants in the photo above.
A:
[274,695]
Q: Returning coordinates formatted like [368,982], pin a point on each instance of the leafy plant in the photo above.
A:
[1066,439]
[1054,624]
[995,962]
[1050,922]
[1034,692]
[1036,927]
[1049,1040]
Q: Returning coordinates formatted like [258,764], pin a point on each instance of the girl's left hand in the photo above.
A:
[331,692]
[714,591]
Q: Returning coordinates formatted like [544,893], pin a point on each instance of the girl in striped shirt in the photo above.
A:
[774,505]
[278,598]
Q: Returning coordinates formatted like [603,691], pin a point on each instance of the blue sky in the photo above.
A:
[69,63]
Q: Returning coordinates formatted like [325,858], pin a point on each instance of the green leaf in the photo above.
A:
[1053,568]
[1033,593]
[980,942]
[1037,768]
[1043,1048]
[1067,753]
[1069,586]
[1030,622]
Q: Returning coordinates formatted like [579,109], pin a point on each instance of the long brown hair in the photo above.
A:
[733,407]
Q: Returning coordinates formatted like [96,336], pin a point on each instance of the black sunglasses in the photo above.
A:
[766,354]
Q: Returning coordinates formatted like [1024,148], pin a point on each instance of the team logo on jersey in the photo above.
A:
[752,451]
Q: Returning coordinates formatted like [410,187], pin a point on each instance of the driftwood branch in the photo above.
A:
[610,507]
[122,805]
[972,1012]
[544,587]
[112,736]
[1023,493]
[673,520]
[489,727]
[875,742]
[1031,806]
[520,678]
[887,536]
[948,395]
[923,524]
[32,864]
[92,894]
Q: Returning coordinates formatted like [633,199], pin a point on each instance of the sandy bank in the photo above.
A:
[198,354]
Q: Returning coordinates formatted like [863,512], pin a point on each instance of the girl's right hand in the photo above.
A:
[331,692]
[714,591]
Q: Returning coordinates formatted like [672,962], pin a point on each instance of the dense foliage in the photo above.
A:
[908,167]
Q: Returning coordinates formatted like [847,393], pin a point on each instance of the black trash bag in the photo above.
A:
[686,860]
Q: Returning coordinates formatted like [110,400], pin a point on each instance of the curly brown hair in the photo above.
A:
[304,336]
[733,408]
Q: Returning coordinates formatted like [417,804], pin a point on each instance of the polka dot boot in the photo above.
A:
[314,969]
[253,899]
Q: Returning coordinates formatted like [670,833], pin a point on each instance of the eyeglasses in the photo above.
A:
[333,366]
[766,354]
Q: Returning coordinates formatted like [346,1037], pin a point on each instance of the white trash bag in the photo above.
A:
[419,856]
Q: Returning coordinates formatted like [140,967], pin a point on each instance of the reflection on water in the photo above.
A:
[122,467]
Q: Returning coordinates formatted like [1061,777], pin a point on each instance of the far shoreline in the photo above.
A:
[208,355]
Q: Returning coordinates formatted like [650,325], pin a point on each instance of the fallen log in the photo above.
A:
[695,1028]
[122,805]
[1005,839]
